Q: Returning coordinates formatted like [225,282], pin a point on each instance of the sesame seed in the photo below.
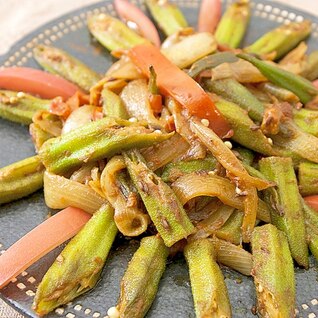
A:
[270,141]
[260,288]
[132,119]
[205,122]
[228,144]
[113,312]
[20,95]
[157,131]
[211,173]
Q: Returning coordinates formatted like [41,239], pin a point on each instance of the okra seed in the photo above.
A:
[133,119]
[20,95]
[157,131]
[260,288]
[270,141]
[13,100]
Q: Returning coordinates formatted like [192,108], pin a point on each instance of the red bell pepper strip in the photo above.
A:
[174,82]
[312,201]
[36,82]
[129,12]
[210,15]
[40,241]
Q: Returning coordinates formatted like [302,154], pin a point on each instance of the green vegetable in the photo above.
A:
[307,120]
[59,62]
[281,40]
[20,179]
[94,141]
[140,283]
[308,178]
[20,107]
[165,210]
[113,106]
[77,269]
[232,27]
[287,213]
[273,272]
[207,283]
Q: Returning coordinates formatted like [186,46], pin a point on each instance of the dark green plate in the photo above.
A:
[174,298]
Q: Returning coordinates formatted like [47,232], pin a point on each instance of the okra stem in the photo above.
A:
[207,283]
[140,283]
[287,213]
[77,269]
[20,179]
[273,272]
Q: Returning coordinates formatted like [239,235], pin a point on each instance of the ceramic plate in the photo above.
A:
[174,297]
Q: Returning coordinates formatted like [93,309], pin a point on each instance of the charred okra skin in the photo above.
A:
[59,62]
[273,272]
[78,268]
[164,208]
[96,140]
[287,213]
[140,283]
[20,179]
[207,283]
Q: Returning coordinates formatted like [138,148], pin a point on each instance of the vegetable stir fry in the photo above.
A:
[194,145]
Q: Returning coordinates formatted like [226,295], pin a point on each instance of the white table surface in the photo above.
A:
[19,17]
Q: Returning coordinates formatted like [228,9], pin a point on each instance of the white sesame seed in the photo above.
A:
[132,119]
[113,312]
[20,95]
[228,144]
[157,131]
[260,288]
[205,122]
[212,173]
[270,141]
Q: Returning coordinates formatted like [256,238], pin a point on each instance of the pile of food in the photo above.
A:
[193,145]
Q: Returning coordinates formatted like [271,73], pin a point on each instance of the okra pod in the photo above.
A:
[287,214]
[20,179]
[112,33]
[300,86]
[59,62]
[310,70]
[140,283]
[243,128]
[165,210]
[39,136]
[20,107]
[308,178]
[96,140]
[77,269]
[211,61]
[245,155]
[281,40]
[307,120]
[281,93]
[273,272]
[235,92]
[232,27]
[207,282]
[167,15]
[311,221]
[113,106]
[172,171]
[231,230]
